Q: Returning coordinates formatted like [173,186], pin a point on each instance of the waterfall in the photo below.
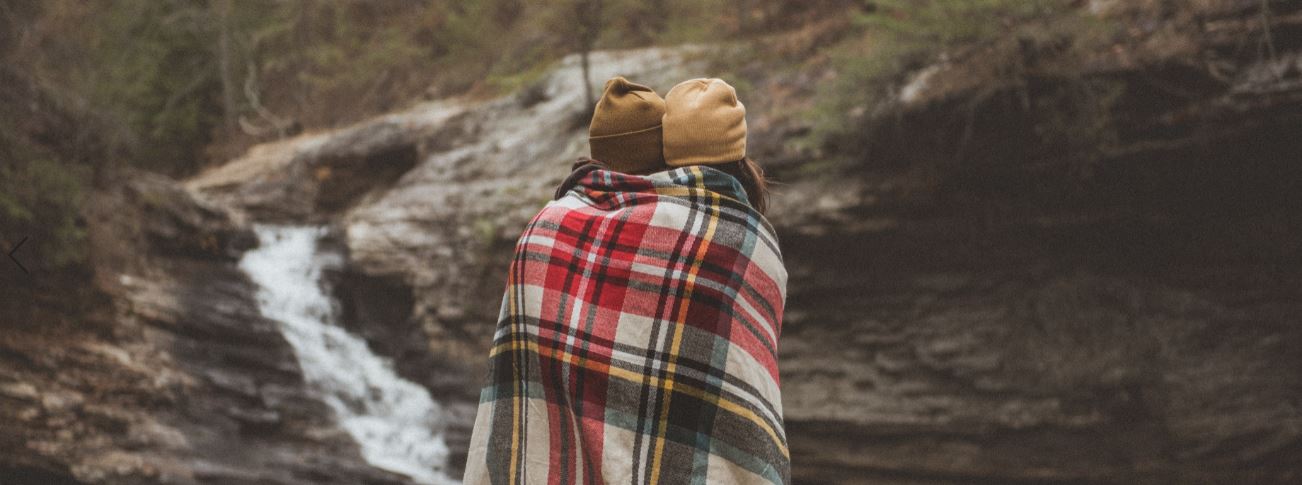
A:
[395,422]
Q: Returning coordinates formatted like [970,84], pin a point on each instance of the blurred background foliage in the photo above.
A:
[172,86]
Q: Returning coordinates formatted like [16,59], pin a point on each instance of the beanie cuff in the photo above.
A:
[633,152]
[724,154]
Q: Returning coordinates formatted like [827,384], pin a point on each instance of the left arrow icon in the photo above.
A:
[15,260]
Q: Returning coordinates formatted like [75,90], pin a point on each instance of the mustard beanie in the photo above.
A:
[704,124]
[625,131]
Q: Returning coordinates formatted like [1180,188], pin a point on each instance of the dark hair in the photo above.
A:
[751,176]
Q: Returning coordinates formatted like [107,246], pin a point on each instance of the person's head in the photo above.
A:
[705,124]
[625,132]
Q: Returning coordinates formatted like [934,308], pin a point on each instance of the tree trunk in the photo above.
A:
[658,14]
[587,79]
[224,62]
[589,15]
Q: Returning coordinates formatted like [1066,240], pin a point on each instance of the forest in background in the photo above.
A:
[173,86]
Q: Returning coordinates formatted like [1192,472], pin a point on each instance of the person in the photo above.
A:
[625,131]
[638,335]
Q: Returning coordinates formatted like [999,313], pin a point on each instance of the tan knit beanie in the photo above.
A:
[625,130]
[704,124]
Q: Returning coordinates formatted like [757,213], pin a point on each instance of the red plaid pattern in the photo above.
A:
[637,341]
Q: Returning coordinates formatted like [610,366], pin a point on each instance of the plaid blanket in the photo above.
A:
[637,341]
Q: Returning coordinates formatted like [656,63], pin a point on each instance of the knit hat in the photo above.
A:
[704,124]
[625,130]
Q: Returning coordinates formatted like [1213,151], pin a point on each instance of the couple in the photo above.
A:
[637,341]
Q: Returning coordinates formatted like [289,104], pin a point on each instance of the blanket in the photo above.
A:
[637,341]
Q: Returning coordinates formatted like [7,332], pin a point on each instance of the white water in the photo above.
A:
[394,421]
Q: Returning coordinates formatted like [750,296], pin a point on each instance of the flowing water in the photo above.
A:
[394,421]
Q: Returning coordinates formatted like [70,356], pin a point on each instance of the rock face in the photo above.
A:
[985,294]
[174,377]
[975,300]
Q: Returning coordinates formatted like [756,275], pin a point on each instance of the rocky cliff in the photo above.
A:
[168,373]
[1048,260]
[1114,302]
[147,361]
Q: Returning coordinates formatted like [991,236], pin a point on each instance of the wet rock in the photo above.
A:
[173,376]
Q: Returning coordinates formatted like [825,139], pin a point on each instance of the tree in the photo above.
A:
[588,13]
[224,55]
